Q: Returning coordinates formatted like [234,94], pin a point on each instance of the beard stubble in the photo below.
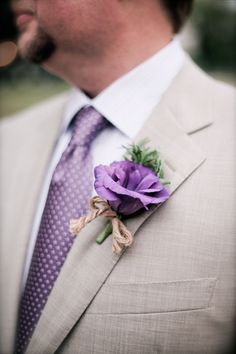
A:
[40,49]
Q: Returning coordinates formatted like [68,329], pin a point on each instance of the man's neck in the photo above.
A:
[136,42]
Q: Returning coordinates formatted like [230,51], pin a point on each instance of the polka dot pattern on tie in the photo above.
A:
[69,192]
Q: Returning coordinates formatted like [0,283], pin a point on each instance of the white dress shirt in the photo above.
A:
[126,103]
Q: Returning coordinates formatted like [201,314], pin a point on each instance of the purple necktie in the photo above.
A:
[69,192]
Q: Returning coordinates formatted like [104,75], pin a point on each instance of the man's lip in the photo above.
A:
[22,17]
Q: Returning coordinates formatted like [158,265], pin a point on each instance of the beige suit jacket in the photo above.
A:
[173,291]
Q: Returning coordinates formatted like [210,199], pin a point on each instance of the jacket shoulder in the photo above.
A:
[220,92]
[34,115]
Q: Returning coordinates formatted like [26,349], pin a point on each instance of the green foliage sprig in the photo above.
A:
[142,154]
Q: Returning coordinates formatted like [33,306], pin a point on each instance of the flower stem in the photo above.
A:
[105,233]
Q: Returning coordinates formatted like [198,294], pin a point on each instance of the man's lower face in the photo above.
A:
[35,44]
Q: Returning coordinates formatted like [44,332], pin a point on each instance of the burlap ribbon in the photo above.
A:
[122,237]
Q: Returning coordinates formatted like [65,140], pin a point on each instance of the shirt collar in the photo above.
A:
[129,101]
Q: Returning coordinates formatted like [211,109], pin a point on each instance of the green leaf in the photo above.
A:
[161,174]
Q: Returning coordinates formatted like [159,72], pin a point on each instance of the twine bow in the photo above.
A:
[122,237]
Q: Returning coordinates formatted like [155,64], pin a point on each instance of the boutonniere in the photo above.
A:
[125,188]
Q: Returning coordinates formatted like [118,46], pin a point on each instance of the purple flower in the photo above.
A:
[128,186]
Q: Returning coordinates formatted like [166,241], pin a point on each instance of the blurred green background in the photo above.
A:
[209,37]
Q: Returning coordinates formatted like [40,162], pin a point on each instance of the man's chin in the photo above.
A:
[37,48]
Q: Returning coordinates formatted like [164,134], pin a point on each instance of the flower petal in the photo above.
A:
[105,193]
[134,180]
[129,187]
[148,181]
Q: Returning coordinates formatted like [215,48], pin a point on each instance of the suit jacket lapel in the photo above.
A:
[88,265]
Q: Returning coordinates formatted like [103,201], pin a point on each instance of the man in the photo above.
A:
[173,290]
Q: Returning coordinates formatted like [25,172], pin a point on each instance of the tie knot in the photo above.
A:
[88,124]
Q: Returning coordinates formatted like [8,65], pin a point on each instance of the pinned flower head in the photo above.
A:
[123,189]
[129,187]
